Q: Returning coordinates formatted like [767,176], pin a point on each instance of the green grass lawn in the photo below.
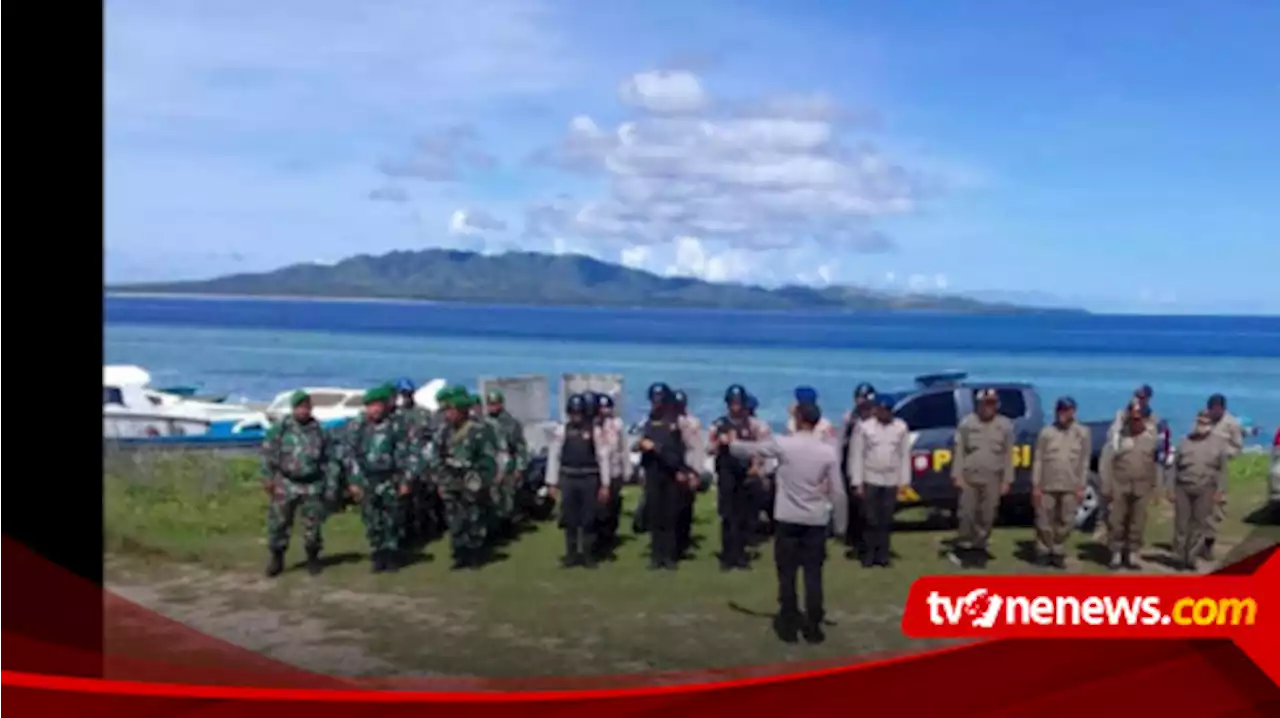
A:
[185,535]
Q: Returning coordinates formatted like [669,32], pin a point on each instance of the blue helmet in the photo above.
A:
[864,391]
[884,400]
[405,385]
[679,398]
[659,393]
[806,395]
[735,393]
[752,404]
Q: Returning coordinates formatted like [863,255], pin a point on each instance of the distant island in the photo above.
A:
[549,279]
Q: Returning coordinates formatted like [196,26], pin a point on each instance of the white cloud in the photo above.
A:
[664,92]
[635,257]
[693,259]
[927,283]
[474,222]
[766,176]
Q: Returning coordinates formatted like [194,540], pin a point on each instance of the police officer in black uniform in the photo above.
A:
[733,485]
[662,454]
[583,486]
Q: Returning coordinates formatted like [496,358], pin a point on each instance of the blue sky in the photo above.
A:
[1118,156]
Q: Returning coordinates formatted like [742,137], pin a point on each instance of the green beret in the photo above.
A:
[379,393]
[495,396]
[298,397]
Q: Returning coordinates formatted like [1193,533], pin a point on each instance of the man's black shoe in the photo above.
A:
[378,562]
[275,566]
[813,633]
[786,627]
[314,567]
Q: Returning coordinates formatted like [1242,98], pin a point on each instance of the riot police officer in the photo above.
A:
[578,468]
[662,459]
[735,476]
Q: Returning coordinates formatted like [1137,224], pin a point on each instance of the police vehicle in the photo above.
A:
[933,409]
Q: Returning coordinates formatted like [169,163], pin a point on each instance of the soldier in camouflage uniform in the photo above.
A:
[380,466]
[464,462]
[296,477]
[416,425]
[513,458]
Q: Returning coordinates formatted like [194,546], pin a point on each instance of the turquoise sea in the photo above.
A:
[255,348]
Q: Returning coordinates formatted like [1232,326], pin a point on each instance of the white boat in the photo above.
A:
[132,409]
[329,405]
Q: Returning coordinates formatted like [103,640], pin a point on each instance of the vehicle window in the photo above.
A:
[356,401]
[1013,404]
[929,411]
[112,395]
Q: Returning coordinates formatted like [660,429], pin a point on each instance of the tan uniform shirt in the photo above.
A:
[601,439]
[695,453]
[984,450]
[615,433]
[1129,462]
[1231,432]
[1061,461]
[1202,463]
[880,454]
[1122,419]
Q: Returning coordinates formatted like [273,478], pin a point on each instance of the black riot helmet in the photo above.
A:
[659,393]
[680,399]
[736,393]
[604,401]
[577,404]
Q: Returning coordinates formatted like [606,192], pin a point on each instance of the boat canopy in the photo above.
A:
[123,375]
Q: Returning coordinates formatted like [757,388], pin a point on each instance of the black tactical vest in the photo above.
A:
[578,453]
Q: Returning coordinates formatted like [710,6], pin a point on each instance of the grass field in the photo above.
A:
[184,535]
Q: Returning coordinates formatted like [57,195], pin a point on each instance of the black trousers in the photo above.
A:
[736,512]
[878,503]
[857,520]
[610,515]
[800,548]
[684,521]
[579,509]
[662,503]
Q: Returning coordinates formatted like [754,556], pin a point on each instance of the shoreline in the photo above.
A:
[207,296]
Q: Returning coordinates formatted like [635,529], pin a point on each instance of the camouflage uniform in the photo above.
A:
[464,462]
[295,460]
[380,462]
[513,458]
[416,425]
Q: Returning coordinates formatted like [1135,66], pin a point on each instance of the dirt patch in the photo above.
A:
[218,606]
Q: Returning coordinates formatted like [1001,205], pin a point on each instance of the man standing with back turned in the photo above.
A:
[1059,475]
[810,491]
[983,472]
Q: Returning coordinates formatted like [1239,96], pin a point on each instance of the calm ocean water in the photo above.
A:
[256,348]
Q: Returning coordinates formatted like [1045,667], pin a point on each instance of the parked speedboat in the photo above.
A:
[132,409]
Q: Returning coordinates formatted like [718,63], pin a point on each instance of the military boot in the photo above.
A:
[1116,562]
[1127,561]
[391,561]
[276,565]
[812,631]
[378,562]
[1206,550]
[313,562]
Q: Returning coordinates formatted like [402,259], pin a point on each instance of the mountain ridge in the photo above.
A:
[522,277]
